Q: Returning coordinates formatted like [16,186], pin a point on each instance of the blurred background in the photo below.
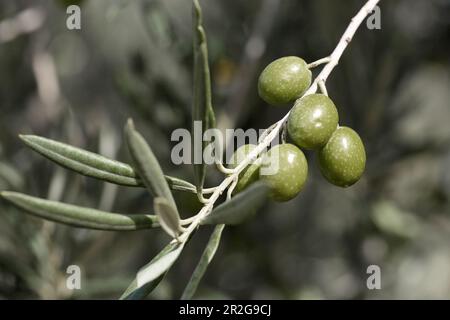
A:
[134,59]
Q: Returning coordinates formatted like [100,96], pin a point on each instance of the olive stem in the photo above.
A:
[284,133]
[202,199]
[265,133]
[323,87]
[187,221]
[231,188]
[208,190]
[273,131]
[318,62]
[222,168]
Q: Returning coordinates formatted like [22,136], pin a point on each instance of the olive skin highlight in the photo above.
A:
[343,159]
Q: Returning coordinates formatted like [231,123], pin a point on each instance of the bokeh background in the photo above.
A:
[134,59]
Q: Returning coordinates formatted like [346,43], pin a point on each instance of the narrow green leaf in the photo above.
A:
[133,292]
[84,162]
[207,256]
[146,164]
[79,216]
[167,216]
[94,165]
[151,274]
[202,109]
[240,207]
[158,267]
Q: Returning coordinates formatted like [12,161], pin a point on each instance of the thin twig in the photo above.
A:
[318,62]
[231,188]
[323,87]
[343,43]
[209,190]
[222,169]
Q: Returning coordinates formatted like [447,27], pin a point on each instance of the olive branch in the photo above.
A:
[145,171]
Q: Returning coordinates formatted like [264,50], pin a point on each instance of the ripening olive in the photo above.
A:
[284,80]
[250,174]
[285,170]
[343,159]
[312,121]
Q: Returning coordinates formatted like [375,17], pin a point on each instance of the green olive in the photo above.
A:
[284,80]
[285,170]
[343,159]
[312,121]
[251,173]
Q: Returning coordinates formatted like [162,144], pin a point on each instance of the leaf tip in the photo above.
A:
[24,137]
[167,216]
[29,139]
[130,124]
[7,194]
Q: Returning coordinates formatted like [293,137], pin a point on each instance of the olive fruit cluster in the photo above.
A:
[313,124]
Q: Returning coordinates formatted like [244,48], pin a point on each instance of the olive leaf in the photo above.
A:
[202,109]
[79,216]
[180,184]
[168,216]
[94,165]
[146,164]
[151,274]
[133,292]
[205,259]
[240,207]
